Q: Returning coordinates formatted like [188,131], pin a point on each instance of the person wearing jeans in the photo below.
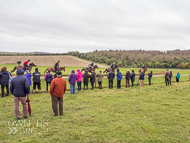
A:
[79,79]
[72,81]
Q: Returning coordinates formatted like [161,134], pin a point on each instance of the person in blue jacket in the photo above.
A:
[177,77]
[141,77]
[28,76]
[119,78]
[132,77]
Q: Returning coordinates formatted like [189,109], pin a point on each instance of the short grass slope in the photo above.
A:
[155,113]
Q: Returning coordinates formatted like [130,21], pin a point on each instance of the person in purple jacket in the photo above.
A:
[72,81]
[28,75]
[48,79]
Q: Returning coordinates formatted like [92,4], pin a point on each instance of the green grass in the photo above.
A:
[151,114]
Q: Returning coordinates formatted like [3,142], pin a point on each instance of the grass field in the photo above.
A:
[153,113]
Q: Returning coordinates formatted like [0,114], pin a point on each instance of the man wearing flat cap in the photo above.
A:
[57,89]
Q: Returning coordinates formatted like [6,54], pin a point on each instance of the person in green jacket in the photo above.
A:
[177,77]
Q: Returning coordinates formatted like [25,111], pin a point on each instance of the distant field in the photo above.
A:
[47,60]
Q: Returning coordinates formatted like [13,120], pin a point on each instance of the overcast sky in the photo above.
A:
[87,25]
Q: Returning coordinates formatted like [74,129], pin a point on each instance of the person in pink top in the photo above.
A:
[79,79]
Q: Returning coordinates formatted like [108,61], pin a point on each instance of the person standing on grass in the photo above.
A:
[100,76]
[119,78]
[167,77]
[4,80]
[20,89]
[127,77]
[48,79]
[28,76]
[36,80]
[92,79]
[177,77]
[79,79]
[57,90]
[111,76]
[170,77]
[132,77]
[86,77]
[72,81]
[149,77]
[141,77]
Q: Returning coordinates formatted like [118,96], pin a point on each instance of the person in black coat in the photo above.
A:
[92,79]
[111,76]
[36,80]
[86,77]
[20,89]
[132,77]
[4,80]
[127,77]
[149,77]
[170,82]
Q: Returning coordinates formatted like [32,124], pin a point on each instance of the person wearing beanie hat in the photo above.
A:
[72,81]
[20,87]
[57,89]
[36,81]
[28,76]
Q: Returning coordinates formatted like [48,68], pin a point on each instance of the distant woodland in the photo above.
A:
[132,58]
[136,58]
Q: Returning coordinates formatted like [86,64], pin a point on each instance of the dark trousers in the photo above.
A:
[55,100]
[100,83]
[167,81]
[110,84]
[2,90]
[47,84]
[127,83]
[86,84]
[79,85]
[170,81]
[177,80]
[92,84]
[149,81]
[118,84]
[132,81]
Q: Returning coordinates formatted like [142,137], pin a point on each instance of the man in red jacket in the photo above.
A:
[57,90]
[26,63]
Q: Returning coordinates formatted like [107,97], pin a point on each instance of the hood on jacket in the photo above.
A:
[78,70]
[150,71]
[72,71]
[20,71]
[117,70]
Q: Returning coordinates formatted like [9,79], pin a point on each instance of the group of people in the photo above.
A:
[168,77]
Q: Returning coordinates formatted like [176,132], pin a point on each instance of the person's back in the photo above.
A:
[111,76]
[119,75]
[133,76]
[58,87]
[28,76]
[86,77]
[150,75]
[167,75]
[178,75]
[4,78]
[49,77]
[141,77]
[36,77]
[92,77]
[19,85]
[100,76]
[128,75]
[72,77]
[79,75]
